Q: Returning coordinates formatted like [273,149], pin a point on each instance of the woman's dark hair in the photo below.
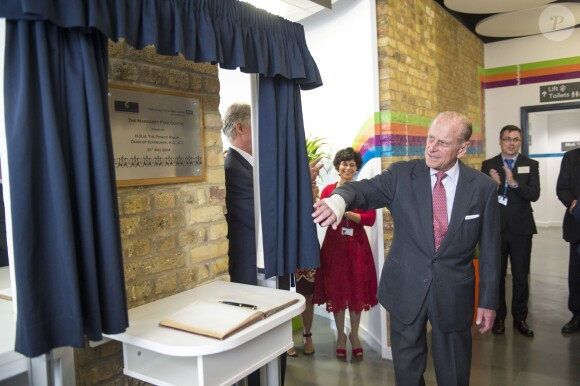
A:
[346,155]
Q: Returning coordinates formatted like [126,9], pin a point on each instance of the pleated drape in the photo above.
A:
[67,247]
[289,237]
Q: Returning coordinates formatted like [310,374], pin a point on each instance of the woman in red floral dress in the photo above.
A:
[347,277]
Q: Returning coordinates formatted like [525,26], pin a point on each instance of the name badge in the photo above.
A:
[523,169]
[347,231]
[502,200]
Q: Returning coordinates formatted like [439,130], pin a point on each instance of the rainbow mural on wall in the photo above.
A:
[393,134]
[529,73]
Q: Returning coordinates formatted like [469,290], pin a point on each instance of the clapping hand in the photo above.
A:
[495,176]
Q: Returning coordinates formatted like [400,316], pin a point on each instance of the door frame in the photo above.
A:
[524,116]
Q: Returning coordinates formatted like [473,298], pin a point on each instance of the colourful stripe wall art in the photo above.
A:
[529,73]
[393,134]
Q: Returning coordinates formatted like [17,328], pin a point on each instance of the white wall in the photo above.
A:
[343,44]
[502,107]
[234,88]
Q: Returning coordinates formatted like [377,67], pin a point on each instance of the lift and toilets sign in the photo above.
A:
[560,92]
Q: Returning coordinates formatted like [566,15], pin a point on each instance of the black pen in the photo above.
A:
[244,305]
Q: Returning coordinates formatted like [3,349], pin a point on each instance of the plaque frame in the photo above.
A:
[131,129]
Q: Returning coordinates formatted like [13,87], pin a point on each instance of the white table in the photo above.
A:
[11,362]
[165,356]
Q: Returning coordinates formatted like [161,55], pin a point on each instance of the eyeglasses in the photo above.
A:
[508,139]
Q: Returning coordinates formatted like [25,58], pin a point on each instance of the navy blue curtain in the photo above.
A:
[64,205]
[67,247]
[289,234]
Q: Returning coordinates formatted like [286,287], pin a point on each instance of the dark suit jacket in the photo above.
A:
[517,216]
[240,218]
[413,266]
[568,190]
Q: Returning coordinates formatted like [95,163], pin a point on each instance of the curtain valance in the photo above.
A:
[229,32]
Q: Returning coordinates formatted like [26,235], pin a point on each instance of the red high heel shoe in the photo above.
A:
[341,351]
[357,352]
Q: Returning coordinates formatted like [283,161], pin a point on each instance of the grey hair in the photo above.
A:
[236,113]
[455,117]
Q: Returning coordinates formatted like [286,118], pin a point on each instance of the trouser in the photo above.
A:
[574,279]
[518,249]
[451,351]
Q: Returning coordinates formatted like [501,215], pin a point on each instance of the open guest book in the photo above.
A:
[223,316]
[6,293]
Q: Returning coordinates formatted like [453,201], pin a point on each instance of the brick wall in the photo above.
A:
[428,63]
[173,235]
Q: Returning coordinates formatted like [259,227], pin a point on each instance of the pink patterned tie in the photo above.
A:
[439,210]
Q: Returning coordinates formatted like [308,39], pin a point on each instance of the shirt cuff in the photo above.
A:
[337,204]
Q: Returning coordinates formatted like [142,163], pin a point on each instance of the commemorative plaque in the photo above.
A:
[157,135]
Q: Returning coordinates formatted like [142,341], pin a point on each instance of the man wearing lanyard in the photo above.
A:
[518,184]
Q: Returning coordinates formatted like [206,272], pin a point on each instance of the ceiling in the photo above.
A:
[293,10]
[495,20]
[490,20]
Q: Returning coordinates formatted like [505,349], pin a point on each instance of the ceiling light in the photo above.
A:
[546,19]
[275,7]
[493,6]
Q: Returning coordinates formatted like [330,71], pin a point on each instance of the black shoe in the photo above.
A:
[572,326]
[498,327]
[523,328]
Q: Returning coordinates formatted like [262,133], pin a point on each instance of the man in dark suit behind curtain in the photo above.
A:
[425,279]
[238,164]
[518,185]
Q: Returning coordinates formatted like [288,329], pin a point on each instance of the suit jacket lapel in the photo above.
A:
[463,194]
[421,182]
[240,158]
[519,162]
[498,163]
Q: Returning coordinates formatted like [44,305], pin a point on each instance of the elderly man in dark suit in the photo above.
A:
[441,210]
[568,191]
[238,164]
[518,185]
